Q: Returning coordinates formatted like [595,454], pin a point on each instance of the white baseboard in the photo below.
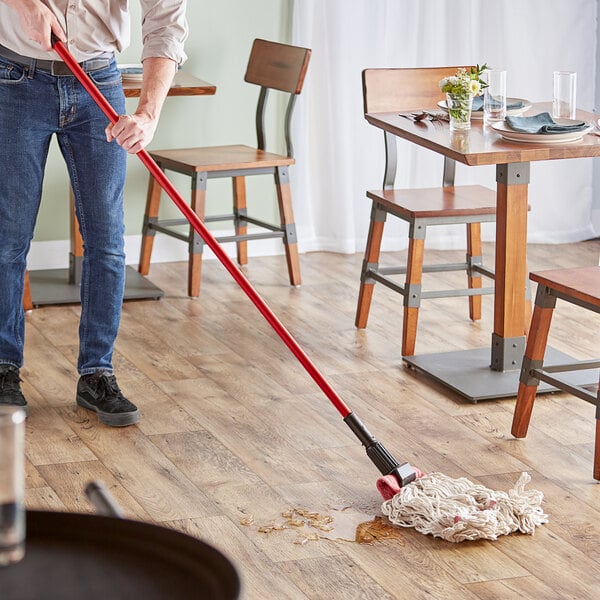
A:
[55,254]
[596,220]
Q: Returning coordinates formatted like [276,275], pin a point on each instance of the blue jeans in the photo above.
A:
[35,105]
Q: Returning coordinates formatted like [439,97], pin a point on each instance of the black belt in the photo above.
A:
[54,67]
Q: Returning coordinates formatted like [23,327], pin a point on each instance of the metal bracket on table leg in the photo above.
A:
[507,353]
[513,173]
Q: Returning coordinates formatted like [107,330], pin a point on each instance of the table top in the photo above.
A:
[73,556]
[481,145]
[184,84]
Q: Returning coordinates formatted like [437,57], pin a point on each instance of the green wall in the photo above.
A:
[221,34]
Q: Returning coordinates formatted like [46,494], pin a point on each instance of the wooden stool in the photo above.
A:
[271,66]
[581,287]
[403,90]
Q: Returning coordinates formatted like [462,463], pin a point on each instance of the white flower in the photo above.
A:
[474,87]
[467,83]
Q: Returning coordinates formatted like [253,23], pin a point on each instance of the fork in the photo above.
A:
[422,115]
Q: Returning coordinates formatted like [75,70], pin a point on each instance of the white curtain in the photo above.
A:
[340,156]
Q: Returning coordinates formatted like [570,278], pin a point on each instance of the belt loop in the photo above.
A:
[31,69]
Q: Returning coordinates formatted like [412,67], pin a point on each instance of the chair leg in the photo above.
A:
[534,355]
[27,300]
[370,261]
[474,250]
[597,452]
[412,297]
[196,243]
[286,211]
[597,440]
[239,209]
[150,216]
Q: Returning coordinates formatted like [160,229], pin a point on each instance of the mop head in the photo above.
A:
[457,510]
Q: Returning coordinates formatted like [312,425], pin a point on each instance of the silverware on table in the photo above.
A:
[426,115]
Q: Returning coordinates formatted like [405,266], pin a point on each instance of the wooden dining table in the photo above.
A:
[61,286]
[492,372]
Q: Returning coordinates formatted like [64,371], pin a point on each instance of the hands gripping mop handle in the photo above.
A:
[382,459]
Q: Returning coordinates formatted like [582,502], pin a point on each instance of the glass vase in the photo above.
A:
[459,109]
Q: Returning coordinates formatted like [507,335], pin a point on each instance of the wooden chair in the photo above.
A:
[404,90]
[581,287]
[272,66]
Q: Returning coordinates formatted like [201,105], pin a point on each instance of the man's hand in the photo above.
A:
[134,132]
[37,21]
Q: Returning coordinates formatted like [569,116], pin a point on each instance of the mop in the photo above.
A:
[412,499]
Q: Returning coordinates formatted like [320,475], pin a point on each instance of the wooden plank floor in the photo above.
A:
[234,433]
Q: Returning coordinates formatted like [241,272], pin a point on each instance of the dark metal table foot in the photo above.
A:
[52,287]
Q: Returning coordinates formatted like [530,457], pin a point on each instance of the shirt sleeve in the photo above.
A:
[164,29]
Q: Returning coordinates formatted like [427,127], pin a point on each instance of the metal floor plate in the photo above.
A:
[468,373]
[52,287]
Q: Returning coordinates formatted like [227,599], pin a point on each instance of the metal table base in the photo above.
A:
[52,286]
[468,373]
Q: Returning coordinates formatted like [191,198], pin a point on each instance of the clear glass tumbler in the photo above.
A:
[494,96]
[564,102]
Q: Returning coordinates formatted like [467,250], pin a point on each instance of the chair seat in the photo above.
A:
[218,158]
[582,283]
[454,201]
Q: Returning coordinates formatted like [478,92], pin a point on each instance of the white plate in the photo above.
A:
[477,115]
[541,138]
[133,72]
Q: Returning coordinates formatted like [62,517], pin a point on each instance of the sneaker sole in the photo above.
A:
[111,419]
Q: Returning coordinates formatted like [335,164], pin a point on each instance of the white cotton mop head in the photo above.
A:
[458,509]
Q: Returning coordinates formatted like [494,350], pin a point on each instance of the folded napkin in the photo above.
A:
[543,123]
[478,104]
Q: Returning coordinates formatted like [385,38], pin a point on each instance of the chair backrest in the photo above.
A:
[403,90]
[387,90]
[278,67]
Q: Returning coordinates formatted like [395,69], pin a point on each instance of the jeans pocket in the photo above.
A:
[11,73]
[108,77]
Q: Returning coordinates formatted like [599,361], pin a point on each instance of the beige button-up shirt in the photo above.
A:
[94,27]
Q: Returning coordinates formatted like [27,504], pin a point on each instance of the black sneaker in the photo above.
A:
[10,387]
[99,392]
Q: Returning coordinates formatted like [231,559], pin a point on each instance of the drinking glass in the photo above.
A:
[564,99]
[12,484]
[494,96]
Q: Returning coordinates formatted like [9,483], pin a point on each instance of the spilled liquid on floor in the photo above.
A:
[337,524]
[352,526]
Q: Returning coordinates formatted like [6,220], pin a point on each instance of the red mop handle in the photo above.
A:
[211,242]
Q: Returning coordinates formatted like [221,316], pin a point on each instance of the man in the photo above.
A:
[39,98]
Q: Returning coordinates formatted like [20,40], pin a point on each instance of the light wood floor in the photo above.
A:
[233,433]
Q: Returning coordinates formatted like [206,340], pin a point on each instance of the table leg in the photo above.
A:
[508,339]
[76,253]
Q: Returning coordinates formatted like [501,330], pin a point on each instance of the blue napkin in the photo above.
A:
[478,104]
[543,123]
